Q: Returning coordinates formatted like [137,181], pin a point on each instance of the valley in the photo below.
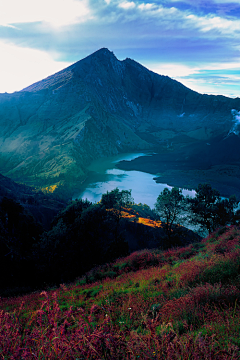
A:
[51,131]
[86,280]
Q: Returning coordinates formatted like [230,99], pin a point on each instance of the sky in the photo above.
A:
[193,41]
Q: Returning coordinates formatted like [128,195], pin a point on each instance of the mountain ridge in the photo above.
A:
[101,106]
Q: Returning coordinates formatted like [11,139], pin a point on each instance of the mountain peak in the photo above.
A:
[103,52]
[101,106]
[64,76]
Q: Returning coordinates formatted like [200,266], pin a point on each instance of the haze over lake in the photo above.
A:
[104,176]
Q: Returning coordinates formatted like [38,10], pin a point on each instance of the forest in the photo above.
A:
[84,235]
[118,280]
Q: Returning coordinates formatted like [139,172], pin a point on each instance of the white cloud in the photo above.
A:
[210,22]
[206,87]
[236,120]
[222,85]
[147,6]
[56,12]
[21,67]
[155,27]
[173,70]
[224,66]
[174,18]
[127,5]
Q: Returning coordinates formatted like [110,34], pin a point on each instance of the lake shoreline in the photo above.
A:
[224,177]
[144,171]
[104,175]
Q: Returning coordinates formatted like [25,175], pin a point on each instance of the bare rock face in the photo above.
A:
[97,107]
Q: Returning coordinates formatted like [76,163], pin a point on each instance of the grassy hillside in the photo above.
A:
[182,303]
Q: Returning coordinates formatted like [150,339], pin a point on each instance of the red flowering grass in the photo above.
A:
[177,304]
[50,334]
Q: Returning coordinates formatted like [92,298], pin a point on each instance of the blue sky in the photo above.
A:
[193,41]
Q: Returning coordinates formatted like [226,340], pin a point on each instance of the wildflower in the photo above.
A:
[63,287]
[94,309]
[129,308]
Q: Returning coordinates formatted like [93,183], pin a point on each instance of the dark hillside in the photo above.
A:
[82,235]
[85,235]
[41,206]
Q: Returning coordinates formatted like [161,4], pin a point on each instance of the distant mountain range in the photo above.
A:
[101,106]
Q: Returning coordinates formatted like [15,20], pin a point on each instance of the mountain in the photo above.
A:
[101,106]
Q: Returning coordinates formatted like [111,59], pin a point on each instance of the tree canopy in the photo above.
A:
[169,206]
[116,198]
[209,210]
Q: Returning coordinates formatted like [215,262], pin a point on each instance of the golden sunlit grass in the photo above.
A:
[133,215]
[149,222]
[49,189]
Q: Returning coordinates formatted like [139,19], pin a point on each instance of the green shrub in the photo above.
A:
[178,293]
[221,272]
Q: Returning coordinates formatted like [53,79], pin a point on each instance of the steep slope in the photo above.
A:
[43,207]
[178,304]
[100,106]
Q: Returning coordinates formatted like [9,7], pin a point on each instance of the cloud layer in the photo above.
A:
[197,38]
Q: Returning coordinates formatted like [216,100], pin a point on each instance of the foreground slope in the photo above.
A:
[177,304]
[101,106]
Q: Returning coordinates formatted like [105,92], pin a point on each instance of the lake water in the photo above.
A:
[104,176]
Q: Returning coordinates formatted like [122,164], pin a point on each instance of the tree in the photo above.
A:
[226,211]
[72,211]
[169,207]
[116,198]
[204,207]
[82,236]
[209,210]
[19,231]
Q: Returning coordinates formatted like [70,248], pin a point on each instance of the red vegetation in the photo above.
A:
[177,304]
